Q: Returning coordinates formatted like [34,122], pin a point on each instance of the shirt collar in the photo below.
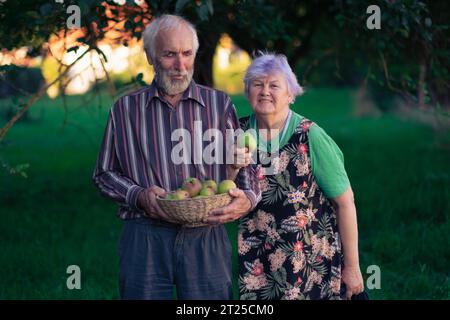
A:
[192,92]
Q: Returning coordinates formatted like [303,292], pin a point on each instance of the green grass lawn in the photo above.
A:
[399,170]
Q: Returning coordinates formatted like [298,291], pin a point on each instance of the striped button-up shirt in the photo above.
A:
[136,151]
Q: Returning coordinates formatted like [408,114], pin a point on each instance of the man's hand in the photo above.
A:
[242,157]
[147,201]
[353,280]
[239,206]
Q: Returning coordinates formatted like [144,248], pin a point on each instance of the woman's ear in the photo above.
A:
[291,99]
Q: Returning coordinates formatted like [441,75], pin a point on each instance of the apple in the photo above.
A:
[225,186]
[169,196]
[192,186]
[210,184]
[246,140]
[207,191]
[180,195]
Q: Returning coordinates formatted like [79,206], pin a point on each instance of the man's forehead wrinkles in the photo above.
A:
[181,45]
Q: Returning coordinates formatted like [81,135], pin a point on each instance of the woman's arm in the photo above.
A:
[348,230]
[347,225]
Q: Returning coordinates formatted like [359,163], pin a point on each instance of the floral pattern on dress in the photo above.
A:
[289,246]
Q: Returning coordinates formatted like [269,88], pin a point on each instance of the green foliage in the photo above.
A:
[39,19]
[409,55]
[18,169]
[19,81]
[399,172]
[327,41]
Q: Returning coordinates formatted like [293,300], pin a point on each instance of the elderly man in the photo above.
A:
[134,166]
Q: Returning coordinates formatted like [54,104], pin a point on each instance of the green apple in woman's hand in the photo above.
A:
[246,140]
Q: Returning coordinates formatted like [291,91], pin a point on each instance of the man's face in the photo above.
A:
[174,65]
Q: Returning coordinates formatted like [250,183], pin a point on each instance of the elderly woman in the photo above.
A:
[301,241]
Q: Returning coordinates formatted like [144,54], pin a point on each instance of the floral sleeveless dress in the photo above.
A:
[289,246]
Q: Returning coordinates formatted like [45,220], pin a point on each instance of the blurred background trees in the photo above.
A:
[327,41]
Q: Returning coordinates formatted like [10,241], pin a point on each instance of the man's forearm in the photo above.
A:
[232,173]
[118,188]
[246,180]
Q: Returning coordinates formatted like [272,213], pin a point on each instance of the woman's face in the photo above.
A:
[269,95]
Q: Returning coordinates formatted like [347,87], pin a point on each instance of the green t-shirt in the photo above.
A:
[327,160]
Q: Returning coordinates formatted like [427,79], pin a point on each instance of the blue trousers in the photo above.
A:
[154,256]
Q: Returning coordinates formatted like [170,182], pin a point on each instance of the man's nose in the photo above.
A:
[179,63]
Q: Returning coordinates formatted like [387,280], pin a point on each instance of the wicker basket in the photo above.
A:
[191,211]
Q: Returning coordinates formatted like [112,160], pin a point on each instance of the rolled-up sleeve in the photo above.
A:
[246,179]
[108,175]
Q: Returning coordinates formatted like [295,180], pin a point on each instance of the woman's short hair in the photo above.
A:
[265,64]
[166,22]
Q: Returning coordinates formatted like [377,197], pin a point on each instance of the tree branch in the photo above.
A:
[112,88]
[421,85]
[315,62]
[36,97]
[386,75]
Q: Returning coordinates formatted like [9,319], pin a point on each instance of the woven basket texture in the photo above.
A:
[191,211]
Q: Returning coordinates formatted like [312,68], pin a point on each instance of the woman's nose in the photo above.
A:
[264,90]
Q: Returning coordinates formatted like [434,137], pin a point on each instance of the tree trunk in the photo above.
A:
[204,61]
[421,85]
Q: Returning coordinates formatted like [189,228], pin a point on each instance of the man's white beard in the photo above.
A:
[169,86]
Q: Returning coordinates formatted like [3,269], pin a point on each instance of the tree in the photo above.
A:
[410,56]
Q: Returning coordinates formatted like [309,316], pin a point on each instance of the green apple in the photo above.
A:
[180,195]
[210,184]
[207,191]
[246,140]
[169,196]
[226,185]
[192,186]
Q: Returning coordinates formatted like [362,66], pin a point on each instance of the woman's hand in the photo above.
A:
[353,280]
[348,230]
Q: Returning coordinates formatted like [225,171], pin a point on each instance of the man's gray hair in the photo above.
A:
[166,22]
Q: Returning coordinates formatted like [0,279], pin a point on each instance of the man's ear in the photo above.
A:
[149,59]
